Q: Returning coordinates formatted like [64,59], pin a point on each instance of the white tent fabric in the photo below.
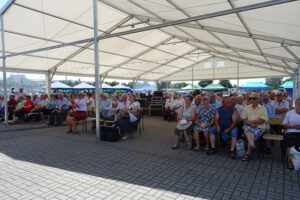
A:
[262,42]
[60,86]
[120,86]
[105,86]
[82,86]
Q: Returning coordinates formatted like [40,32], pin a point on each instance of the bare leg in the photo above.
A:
[14,121]
[233,142]
[206,136]
[250,138]
[196,136]
[190,140]
[69,122]
[288,154]
[212,140]
[176,140]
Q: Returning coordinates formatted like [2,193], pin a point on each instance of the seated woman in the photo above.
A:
[124,122]
[167,111]
[115,101]
[292,123]
[80,113]
[205,119]
[26,108]
[254,117]
[187,112]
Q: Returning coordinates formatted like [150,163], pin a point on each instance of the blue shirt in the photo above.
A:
[269,109]
[216,104]
[63,101]
[105,104]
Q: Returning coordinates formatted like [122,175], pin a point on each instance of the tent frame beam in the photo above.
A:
[158,26]
[225,31]
[291,52]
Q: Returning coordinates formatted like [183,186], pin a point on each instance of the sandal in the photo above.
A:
[197,148]
[211,151]
[246,158]
[290,165]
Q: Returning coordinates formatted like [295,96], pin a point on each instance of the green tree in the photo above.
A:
[129,84]
[164,85]
[205,83]
[178,85]
[113,83]
[225,83]
[274,83]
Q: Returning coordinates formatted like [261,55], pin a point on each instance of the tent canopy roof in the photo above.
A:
[262,42]
[214,87]
[59,86]
[120,86]
[288,84]
[254,85]
[82,86]
[192,87]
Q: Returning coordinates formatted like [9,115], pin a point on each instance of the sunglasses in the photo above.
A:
[253,98]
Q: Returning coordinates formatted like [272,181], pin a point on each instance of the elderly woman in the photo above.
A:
[167,111]
[292,123]
[124,123]
[26,108]
[187,112]
[80,113]
[255,117]
[115,101]
[205,119]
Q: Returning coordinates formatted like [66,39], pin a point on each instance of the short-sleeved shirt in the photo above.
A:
[205,116]
[169,103]
[122,104]
[259,112]
[269,109]
[292,118]
[216,104]
[12,103]
[62,102]
[28,103]
[105,104]
[82,105]
[92,105]
[44,103]
[240,109]
[283,104]
[20,104]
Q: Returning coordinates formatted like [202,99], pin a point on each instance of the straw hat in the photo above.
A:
[183,124]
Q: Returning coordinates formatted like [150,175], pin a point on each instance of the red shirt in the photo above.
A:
[27,103]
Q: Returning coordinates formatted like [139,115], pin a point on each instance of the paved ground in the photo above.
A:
[49,164]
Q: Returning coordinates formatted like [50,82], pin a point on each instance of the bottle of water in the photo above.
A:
[240,148]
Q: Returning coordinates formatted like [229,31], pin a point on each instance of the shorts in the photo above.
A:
[257,132]
[292,139]
[202,129]
[233,133]
[80,115]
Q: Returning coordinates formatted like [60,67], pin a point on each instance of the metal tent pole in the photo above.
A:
[238,77]
[97,77]
[193,78]
[297,95]
[4,70]
[48,83]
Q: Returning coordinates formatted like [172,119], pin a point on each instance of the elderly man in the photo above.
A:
[21,92]
[280,107]
[255,117]
[197,101]
[213,102]
[60,110]
[104,102]
[272,96]
[226,123]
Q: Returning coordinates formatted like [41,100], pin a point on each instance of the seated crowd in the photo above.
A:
[70,107]
[204,117]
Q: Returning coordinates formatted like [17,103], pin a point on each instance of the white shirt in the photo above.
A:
[283,104]
[134,104]
[82,105]
[169,103]
[122,105]
[240,109]
[44,103]
[92,105]
[292,118]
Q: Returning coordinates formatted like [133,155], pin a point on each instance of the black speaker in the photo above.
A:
[155,110]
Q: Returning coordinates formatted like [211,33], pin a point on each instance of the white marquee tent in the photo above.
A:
[155,40]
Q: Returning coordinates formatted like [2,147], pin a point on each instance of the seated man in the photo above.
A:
[254,116]
[124,102]
[292,124]
[60,110]
[104,102]
[226,123]
[11,105]
[213,103]
[280,108]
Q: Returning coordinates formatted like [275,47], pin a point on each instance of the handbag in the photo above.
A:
[132,118]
